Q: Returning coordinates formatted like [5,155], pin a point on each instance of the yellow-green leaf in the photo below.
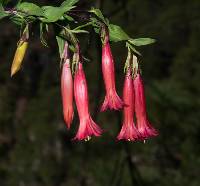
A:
[142,41]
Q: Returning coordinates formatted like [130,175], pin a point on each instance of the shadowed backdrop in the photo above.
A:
[35,146]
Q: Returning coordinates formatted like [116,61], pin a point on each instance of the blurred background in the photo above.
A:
[35,146]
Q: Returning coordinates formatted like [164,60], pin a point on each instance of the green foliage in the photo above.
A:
[132,48]
[2,12]
[17,20]
[99,14]
[43,29]
[61,43]
[30,9]
[69,18]
[117,34]
[53,14]
[142,41]
[2,15]
[46,14]
[69,3]
[30,12]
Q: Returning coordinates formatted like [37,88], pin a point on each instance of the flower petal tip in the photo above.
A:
[112,102]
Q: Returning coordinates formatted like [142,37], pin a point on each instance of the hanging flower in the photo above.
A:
[19,56]
[20,52]
[67,93]
[87,127]
[128,131]
[143,124]
[112,100]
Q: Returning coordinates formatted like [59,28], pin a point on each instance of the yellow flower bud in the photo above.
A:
[19,55]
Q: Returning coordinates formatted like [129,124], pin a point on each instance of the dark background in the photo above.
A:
[35,147]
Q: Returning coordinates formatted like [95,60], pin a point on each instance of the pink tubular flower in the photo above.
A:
[129,131]
[87,126]
[112,100]
[67,93]
[143,125]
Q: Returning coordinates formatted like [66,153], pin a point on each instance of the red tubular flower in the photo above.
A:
[143,125]
[112,100]
[129,131]
[67,93]
[87,126]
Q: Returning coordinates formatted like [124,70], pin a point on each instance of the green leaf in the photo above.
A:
[95,22]
[69,18]
[135,51]
[42,29]
[72,48]
[97,30]
[69,3]
[142,41]
[30,8]
[61,43]
[17,20]
[82,26]
[53,14]
[133,48]
[76,31]
[117,34]
[2,12]
[99,14]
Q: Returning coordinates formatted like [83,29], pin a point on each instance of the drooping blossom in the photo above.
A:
[128,131]
[20,52]
[87,127]
[19,56]
[143,125]
[67,93]
[112,100]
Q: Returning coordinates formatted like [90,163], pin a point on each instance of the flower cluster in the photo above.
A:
[134,99]
[133,102]
[66,24]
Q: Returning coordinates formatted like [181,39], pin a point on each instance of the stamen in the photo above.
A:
[88,138]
